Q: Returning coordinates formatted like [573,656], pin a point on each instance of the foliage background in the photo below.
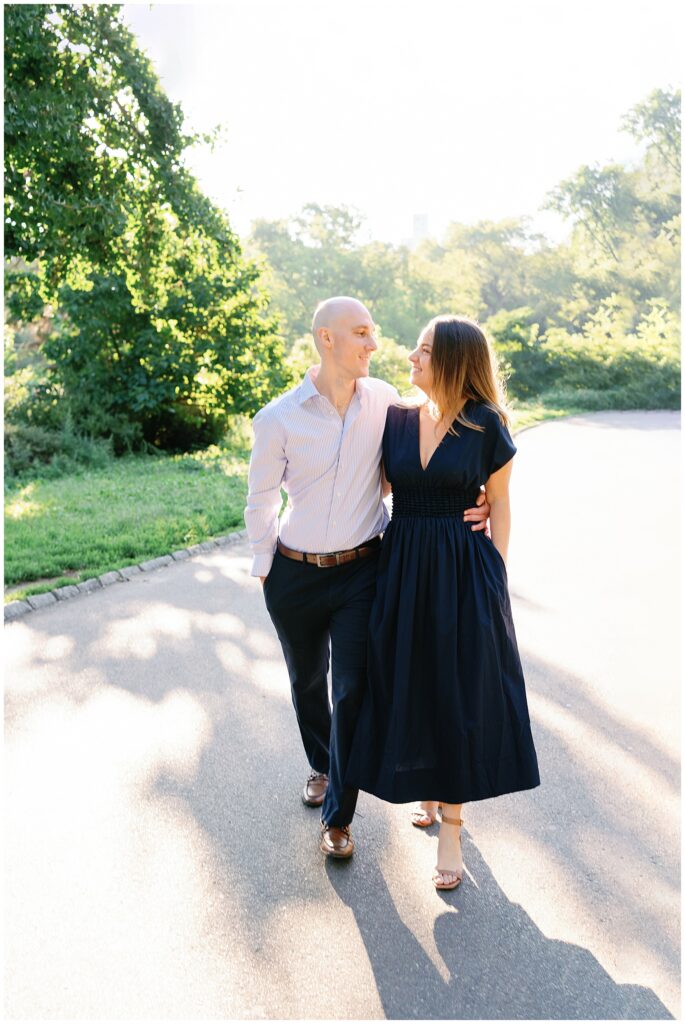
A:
[139,327]
[591,323]
[134,316]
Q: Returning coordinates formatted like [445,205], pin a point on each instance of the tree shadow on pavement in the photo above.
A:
[501,966]
[243,792]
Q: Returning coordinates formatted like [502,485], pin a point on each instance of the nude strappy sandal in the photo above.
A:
[447,871]
[418,812]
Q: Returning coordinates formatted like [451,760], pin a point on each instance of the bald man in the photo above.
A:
[321,442]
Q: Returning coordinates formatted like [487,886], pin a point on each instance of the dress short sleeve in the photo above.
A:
[502,448]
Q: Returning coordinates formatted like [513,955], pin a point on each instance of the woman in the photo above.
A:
[445,714]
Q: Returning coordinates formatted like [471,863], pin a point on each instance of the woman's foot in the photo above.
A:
[450,868]
[425,813]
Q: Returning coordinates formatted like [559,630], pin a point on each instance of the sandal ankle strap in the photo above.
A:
[453,821]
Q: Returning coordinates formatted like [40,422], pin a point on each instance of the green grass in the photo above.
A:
[67,529]
[527,414]
[136,508]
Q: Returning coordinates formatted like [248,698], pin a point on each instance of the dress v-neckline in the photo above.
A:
[424,469]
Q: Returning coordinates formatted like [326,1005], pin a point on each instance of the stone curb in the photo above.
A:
[17,609]
[156,563]
[41,600]
[88,586]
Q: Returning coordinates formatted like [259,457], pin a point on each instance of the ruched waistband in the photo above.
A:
[431,501]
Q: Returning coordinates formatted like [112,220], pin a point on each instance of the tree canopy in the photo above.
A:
[148,321]
[159,320]
[615,279]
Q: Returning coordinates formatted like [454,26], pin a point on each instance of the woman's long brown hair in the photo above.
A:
[464,366]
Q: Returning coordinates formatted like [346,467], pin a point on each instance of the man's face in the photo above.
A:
[353,335]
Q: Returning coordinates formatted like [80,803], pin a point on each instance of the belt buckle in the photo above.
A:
[333,554]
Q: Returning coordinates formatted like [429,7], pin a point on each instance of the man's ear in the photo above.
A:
[325,337]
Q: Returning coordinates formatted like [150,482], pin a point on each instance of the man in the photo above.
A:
[321,442]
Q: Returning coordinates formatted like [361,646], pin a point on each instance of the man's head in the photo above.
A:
[345,336]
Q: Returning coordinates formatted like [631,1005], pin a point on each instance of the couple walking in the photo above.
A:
[428,700]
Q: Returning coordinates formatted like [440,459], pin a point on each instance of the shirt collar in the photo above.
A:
[308,388]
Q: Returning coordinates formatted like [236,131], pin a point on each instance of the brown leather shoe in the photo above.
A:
[336,842]
[314,789]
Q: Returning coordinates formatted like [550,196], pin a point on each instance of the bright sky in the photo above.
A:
[458,110]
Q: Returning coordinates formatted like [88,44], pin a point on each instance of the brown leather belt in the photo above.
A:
[333,557]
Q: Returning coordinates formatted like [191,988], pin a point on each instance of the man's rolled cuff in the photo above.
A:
[261,564]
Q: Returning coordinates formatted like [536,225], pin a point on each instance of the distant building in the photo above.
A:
[419,232]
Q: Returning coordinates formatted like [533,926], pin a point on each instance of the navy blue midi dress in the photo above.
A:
[445,715]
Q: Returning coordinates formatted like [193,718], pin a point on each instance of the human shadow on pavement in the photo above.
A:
[501,966]
[243,790]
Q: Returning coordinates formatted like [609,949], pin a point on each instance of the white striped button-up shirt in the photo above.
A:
[329,468]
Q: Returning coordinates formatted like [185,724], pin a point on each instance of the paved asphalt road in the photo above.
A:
[159,863]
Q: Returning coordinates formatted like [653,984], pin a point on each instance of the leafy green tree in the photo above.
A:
[653,245]
[174,378]
[90,137]
[521,353]
[314,255]
[161,324]
[613,365]
[626,222]
[657,121]
[302,268]
[478,270]
[601,199]
[400,302]
[557,312]
[447,278]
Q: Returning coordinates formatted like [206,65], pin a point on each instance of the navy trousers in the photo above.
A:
[321,616]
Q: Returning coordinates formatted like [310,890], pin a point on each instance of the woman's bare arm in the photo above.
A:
[497,494]
[385,483]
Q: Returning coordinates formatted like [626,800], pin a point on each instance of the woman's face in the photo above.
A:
[421,370]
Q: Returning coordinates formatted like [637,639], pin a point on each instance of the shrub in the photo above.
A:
[597,400]
[611,363]
[520,351]
[30,448]
[170,377]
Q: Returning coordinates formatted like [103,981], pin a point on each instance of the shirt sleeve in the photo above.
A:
[267,469]
[502,448]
